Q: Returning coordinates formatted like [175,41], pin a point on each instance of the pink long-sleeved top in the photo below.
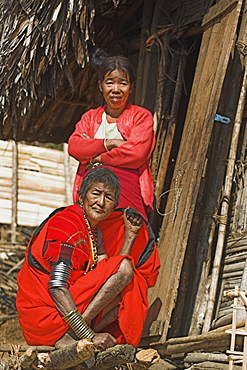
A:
[136,126]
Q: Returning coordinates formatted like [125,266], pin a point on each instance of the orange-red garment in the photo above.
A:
[41,322]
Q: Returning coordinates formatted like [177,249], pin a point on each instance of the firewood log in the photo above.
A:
[114,356]
[71,355]
[149,356]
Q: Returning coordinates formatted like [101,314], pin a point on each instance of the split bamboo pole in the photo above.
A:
[225,204]
[166,151]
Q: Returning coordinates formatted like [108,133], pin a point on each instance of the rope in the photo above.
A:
[178,192]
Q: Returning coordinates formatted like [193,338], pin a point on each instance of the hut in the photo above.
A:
[190,58]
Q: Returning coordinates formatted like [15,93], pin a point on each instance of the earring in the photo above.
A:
[80,203]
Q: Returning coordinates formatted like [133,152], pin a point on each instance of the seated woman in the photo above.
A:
[118,135]
[80,281]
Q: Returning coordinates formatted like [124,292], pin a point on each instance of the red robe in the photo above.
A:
[41,322]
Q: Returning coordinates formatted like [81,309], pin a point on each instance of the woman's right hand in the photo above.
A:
[103,341]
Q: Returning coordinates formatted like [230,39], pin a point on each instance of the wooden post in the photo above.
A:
[67,174]
[14,190]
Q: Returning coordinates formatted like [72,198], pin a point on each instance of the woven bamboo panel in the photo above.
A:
[41,182]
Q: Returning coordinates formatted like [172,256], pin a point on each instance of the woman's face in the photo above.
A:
[116,88]
[99,202]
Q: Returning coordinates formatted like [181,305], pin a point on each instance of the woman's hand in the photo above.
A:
[85,136]
[132,222]
[103,341]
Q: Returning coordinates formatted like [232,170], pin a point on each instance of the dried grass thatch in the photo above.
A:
[44,49]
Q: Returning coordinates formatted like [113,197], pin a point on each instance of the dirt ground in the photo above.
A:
[10,333]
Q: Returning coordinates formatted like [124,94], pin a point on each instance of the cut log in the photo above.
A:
[114,356]
[71,355]
[196,357]
[149,356]
[211,342]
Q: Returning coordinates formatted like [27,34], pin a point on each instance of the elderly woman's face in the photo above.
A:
[99,202]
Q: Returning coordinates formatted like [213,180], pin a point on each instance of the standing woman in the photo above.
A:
[118,135]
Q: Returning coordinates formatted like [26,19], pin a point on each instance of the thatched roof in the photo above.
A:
[45,48]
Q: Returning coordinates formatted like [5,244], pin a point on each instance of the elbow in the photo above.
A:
[126,271]
[58,292]
[72,149]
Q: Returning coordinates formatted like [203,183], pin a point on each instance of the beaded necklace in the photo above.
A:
[93,238]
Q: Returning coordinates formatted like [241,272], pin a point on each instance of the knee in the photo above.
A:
[126,270]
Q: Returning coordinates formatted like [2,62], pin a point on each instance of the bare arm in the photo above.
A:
[65,304]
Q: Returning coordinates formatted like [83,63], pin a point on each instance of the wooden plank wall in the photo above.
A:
[41,182]
[188,172]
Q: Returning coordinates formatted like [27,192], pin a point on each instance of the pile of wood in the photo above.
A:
[201,352]
[205,351]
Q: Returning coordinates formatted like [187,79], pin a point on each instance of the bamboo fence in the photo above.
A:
[40,181]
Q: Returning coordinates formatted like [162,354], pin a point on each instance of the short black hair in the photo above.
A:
[104,63]
[103,175]
[119,63]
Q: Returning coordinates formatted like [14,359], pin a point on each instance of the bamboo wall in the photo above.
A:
[41,182]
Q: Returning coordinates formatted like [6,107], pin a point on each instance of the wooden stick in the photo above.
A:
[25,348]
[16,266]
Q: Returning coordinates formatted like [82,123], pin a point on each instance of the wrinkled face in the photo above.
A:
[99,202]
[116,88]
